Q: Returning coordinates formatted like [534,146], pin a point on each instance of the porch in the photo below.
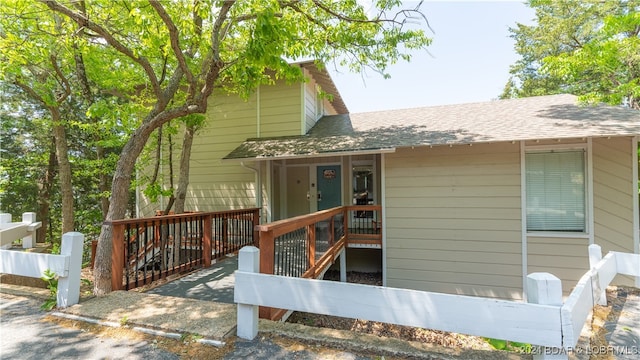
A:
[149,249]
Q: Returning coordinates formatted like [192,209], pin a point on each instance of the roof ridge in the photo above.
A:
[530,98]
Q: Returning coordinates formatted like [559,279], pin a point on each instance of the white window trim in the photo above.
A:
[589,223]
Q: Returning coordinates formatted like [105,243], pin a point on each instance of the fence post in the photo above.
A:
[546,289]
[248,261]
[29,218]
[206,239]
[5,218]
[69,285]
[595,255]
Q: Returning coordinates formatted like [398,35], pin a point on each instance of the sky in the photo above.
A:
[468,60]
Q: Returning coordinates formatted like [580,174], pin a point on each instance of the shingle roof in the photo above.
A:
[541,117]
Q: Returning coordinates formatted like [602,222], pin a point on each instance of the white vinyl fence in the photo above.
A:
[12,231]
[544,321]
[66,266]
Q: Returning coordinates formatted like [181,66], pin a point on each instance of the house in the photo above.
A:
[474,196]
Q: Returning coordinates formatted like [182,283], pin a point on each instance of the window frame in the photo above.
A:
[585,148]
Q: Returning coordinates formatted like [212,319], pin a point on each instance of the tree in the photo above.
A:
[42,79]
[168,59]
[33,62]
[28,162]
[588,48]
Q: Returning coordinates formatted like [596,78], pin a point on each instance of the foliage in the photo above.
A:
[40,61]
[24,154]
[147,63]
[588,48]
[509,345]
[52,284]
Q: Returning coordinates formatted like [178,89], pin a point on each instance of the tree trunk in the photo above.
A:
[103,183]
[185,157]
[44,195]
[117,206]
[64,170]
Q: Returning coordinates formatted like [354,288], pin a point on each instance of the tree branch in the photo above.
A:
[83,21]
[65,83]
[215,63]
[26,88]
[175,41]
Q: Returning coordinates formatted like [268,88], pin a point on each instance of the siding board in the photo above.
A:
[230,120]
[463,267]
[613,196]
[453,220]
[496,291]
[566,258]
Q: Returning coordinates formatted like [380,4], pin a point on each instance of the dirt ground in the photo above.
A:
[382,329]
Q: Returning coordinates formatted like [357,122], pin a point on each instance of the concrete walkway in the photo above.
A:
[623,333]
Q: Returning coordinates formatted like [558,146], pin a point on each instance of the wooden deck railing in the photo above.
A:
[305,246]
[148,249]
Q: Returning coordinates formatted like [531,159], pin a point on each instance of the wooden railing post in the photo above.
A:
[345,225]
[267,249]
[206,239]
[311,238]
[256,222]
[225,232]
[332,235]
[117,256]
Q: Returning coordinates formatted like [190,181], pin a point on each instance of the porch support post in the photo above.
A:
[248,261]
[545,289]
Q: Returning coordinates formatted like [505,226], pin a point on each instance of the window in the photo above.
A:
[363,188]
[555,187]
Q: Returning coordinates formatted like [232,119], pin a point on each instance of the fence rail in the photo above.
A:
[66,266]
[148,249]
[545,321]
[12,231]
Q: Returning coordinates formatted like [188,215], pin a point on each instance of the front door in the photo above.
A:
[329,187]
[297,191]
